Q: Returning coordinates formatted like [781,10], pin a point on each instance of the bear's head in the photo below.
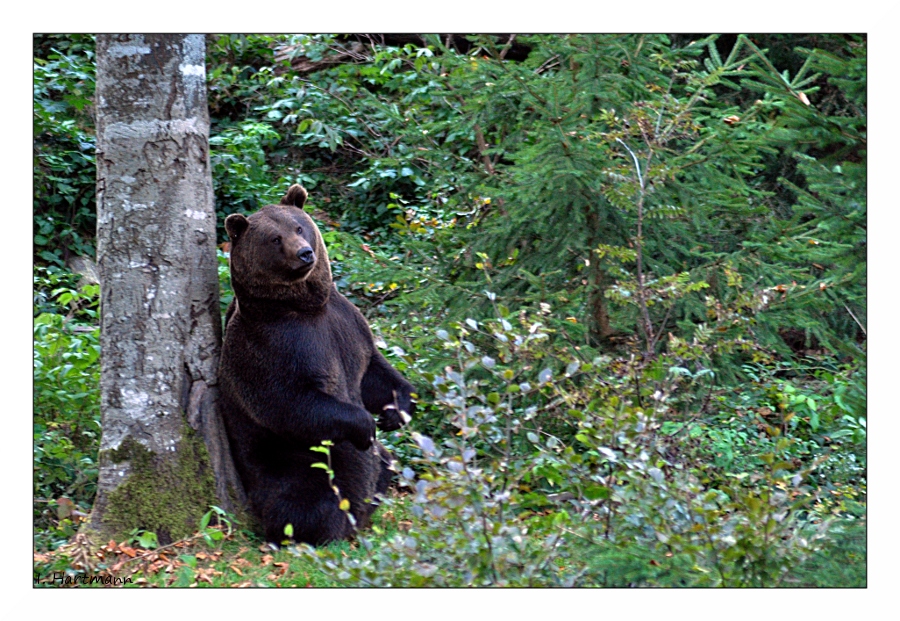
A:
[277,254]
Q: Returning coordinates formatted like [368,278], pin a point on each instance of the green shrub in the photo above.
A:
[555,471]
[66,403]
[64,170]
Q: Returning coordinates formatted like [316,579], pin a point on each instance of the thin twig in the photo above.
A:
[662,328]
[507,47]
[861,327]
[639,251]
[637,166]
[482,149]
[550,63]
[663,107]
[479,136]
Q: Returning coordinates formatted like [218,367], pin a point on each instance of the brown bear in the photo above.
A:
[299,366]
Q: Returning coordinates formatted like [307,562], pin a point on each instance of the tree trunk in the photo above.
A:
[164,456]
[600,327]
[598,316]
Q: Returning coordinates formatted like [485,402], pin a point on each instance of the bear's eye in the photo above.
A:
[277,240]
[299,230]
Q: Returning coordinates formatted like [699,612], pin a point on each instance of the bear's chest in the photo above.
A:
[328,352]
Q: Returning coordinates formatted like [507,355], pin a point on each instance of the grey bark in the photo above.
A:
[156,234]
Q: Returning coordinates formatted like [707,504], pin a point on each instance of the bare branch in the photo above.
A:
[861,327]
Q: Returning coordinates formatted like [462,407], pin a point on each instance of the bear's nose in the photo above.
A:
[306,255]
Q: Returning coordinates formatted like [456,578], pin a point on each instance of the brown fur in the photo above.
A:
[264,272]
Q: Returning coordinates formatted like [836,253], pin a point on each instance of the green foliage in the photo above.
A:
[226,293]
[348,111]
[64,169]
[242,176]
[819,246]
[211,534]
[841,562]
[66,403]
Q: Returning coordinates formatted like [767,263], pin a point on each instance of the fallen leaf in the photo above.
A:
[202,576]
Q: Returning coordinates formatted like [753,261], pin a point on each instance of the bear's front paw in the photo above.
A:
[396,414]
[390,418]
[363,434]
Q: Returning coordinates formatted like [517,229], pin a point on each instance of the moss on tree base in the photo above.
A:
[166,496]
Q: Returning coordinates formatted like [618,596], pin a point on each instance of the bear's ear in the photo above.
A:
[296,196]
[235,224]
